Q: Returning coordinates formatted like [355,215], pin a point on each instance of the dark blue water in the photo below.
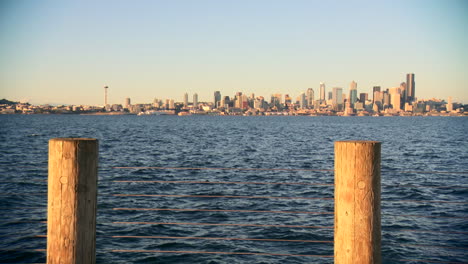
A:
[427,230]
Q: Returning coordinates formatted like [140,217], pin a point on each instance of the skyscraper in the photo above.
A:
[363,97]
[238,103]
[127,103]
[395,97]
[195,101]
[302,101]
[217,99]
[322,92]
[352,93]
[310,97]
[410,94]
[337,97]
[185,100]
[375,89]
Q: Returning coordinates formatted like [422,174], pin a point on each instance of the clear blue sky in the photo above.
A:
[66,51]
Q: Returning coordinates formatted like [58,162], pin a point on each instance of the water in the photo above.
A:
[410,145]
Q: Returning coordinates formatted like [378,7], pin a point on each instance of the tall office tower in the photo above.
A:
[167,104]
[330,95]
[217,99]
[225,102]
[259,102]
[171,104]
[352,93]
[410,95]
[185,100]
[378,97]
[287,99]
[244,102]
[363,97]
[127,103]
[322,92]
[375,89]
[195,101]
[303,101]
[337,96]
[449,106]
[386,99]
[403,94]
[276,100]
[238,103]
[310,97]
[395,97]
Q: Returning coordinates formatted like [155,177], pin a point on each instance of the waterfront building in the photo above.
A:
[410,94]
[408,107]
[322,92]
[195,101]
[217,99]
[359,106]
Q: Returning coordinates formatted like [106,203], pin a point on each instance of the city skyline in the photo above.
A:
[64,52]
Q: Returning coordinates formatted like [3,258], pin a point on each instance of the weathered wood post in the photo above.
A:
[72,199]
[357,202]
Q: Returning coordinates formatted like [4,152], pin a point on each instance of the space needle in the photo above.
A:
[105,95]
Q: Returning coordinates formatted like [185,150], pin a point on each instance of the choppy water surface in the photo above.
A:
[432,226]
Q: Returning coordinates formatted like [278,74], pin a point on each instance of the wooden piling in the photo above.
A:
[357,202]
[72,200]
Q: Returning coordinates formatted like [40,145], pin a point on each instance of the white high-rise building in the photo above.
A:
[449,104]
[185,100]
[322,92]
[195,101]
[395,97]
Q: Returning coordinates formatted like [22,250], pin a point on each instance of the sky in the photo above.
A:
[65,52]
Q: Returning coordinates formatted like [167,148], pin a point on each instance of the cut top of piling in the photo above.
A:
[359,141]
[73,139]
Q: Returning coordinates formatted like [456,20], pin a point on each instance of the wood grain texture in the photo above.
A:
[72,196]
[357,202]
